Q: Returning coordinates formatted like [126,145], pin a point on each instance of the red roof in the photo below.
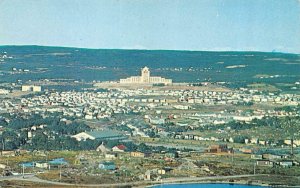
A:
[121,147]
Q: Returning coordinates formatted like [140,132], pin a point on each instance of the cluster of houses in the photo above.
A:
[225,116]
[237,97]
[272,160]
[52,164]
[62,163]
[106,164]
[262,160]
[87,105]
[248,141]
[107,160]
[109,155]
[97,105]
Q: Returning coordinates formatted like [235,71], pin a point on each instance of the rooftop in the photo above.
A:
[104,134]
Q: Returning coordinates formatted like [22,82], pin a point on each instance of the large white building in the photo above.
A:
[101,135]
[145,78]
[31,88]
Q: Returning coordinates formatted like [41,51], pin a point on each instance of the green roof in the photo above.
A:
[107,163]
[105,134]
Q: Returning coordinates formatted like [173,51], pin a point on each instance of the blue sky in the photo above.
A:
[252,25]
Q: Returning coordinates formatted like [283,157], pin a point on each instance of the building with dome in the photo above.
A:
[145,78]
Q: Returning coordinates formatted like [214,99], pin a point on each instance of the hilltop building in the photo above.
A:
[31,88]
[145,78]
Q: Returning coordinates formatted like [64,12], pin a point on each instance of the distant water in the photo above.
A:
[205,186]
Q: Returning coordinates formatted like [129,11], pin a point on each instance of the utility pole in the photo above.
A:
[232,156]
[3,145]
[33,159]
[291,125]
[59,172]
[23,169]
[292,145]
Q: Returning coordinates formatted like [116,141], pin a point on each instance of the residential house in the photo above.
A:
[57,163]
[41,164]
[253,141]
[147,175]
[157,121]
[286,163]
[27,164]
[266,163]
[119,148]
[111,156]
[255,156]
[137,154]
[161,171]
[81,161]
[102,148]
[107,165]
[262,142]
[271,156]
[2,166]
[218,149]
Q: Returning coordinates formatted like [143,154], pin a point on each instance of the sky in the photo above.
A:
[209,25]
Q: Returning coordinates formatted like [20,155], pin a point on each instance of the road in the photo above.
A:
[34,179]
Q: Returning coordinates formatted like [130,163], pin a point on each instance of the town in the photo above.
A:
[153,133]
[157,94]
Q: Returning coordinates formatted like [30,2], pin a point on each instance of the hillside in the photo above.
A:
[240,68]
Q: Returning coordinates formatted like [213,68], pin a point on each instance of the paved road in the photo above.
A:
[32,178]
[26,176]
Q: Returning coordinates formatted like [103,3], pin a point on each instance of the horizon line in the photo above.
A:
[144,49]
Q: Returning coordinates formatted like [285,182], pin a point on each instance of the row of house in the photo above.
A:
[236,97]
[54,163]
[248,141]
[271,163]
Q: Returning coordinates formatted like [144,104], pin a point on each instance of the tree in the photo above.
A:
[39,141]
[23,137]
[143,147]
[70,143]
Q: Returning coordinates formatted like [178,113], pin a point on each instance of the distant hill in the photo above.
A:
[182,66]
